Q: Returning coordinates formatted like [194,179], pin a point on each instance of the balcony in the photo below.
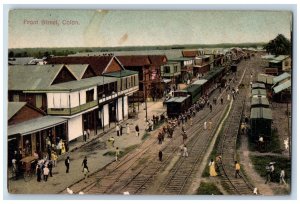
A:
[72,111]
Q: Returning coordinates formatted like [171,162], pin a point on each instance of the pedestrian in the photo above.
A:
[191,121]
[272,170]
[212,168]
[58,147]
[38,173]
[111,141]
[46,173]
[117,153]
[268,174]
[137,130]
[210,107]
[50,166]
[205,125]
[54,158]
[228,97]
[160,155]
[121,129]
[209,125]
[88,133]
[67,163]
[84,164]
[185,152]
[84,135]
[237,169]
[85,172]
[49,152]
[118,129]
[222,101]
[282,175]
[127,129]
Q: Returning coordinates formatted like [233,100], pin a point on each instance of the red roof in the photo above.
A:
[134,60]
[158,60]
[190,53]
[97,63]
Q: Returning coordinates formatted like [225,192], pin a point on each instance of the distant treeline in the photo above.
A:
[44,52]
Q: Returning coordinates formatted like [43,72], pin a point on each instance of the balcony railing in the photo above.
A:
[71,111]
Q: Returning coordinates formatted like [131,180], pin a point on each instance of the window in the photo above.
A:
[38,101]
[90,95]
[167,69]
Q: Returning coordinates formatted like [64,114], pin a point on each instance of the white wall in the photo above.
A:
[125,105]
[82,97]
[75,127]
[74,99]
[119,112]
[106,115]
[58,100]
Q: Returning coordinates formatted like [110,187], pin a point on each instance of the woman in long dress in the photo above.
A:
[63,148]
[212,170]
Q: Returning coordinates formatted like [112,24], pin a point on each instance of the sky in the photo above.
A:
[102,28]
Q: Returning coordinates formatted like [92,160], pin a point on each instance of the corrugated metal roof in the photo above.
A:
[258,85]
[81,84]
[282,86]
[260,112]
[35,125]
[32,77]
[259,100]
[259,92]
[200,82]
[123,73]
[265,78]
[281,77]
[13,108]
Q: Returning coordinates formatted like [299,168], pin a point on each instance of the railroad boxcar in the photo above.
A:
[258,86]
[262,92]
[257,102]
[177,105]
[260,123]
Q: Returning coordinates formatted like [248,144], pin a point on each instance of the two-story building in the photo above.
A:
[186,66]
[171,72]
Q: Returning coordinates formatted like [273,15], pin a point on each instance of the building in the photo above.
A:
[281,90]
[186,67]
[278,65]
[74,93]
[29,128]
[171,73]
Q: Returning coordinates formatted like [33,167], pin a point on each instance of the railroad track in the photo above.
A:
[129,176]
[227,148]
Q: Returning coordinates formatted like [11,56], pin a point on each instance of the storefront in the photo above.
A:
[34,135]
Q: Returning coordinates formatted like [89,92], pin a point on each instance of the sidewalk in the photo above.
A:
[94,149]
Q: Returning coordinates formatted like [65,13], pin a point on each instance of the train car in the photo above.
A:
[262,92]
[258,86]
[260,123]
[257,102]
[177,105]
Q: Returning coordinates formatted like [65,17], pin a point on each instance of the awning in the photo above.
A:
[282,86]
[35,125]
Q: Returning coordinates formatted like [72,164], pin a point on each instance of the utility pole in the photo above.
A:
[145,95]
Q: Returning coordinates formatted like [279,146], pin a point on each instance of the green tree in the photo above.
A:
[279,46]
[11,54]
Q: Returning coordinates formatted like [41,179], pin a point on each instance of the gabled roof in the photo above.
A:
[32,77]
[158,60]
[190,53]
[97,63]
[13,108]
[134,60]
[78,70]
[281,77]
